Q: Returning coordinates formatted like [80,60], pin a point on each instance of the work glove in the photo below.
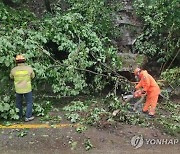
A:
[139,93]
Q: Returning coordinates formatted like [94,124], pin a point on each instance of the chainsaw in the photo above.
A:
[133,95]
[136,94]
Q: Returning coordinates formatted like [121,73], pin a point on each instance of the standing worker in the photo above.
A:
[150,87]
[22,75]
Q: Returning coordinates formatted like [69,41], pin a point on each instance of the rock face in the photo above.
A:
[38,7]
[130,61]
[128,23]
[130,27]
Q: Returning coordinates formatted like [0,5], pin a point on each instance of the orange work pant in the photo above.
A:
[151,103]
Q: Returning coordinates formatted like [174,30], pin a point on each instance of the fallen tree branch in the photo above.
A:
[173,59]
[116,73]
[119,77]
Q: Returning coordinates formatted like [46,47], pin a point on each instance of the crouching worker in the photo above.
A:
[150,87]
[22,75]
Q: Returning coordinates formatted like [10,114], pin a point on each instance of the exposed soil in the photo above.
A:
[109,140]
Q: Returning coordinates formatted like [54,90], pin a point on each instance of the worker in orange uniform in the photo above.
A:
[22,75]
[148,85]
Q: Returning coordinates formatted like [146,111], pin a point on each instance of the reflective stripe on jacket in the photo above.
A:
[22,75]
[148,83]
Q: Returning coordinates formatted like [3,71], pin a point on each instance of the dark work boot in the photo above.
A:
[145,112]
[151,116]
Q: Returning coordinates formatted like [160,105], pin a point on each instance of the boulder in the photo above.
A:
[130,61]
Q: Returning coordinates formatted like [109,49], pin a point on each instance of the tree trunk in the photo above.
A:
[48,6]
[9,3]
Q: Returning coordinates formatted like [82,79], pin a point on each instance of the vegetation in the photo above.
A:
[99,113]
[169,122]
[63,49]
[100,13]
[88,145]
[160,35]
[171,76]
[72,54]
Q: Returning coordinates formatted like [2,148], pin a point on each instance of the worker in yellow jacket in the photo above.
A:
[22,75]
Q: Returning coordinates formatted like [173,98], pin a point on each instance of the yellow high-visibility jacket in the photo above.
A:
[22,75]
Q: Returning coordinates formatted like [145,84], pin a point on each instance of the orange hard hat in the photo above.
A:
[20,58]
[136,71]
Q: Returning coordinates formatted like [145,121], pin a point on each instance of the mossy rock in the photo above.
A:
[131,61]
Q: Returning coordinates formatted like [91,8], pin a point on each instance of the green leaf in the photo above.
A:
[6,107]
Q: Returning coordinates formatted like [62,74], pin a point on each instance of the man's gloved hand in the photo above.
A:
[139,93]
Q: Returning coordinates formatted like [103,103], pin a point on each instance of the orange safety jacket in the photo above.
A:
[148,83]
